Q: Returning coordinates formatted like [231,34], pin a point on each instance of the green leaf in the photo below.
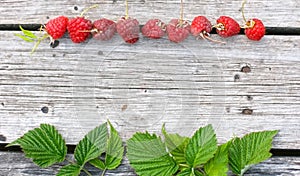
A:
[176,144]
[44,145]
[115,149]
[69,170]
[249,150]
[98,164]
[28,33]
[92,145]
[190,172]
[148,156]
[218,165]
[25,38]
[201,147]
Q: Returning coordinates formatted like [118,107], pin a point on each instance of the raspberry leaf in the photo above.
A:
[44,145]
[201,147]
[69,170]
[115,149]
[148,156]
[25,38]
[249,150]
[92,145]
[218,165]
[28,33]
[98,164]
[176,145]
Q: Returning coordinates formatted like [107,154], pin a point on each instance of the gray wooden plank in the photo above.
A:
[274,13]
[15,164]
[142,86]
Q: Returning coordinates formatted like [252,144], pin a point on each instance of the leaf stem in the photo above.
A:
[39,42]
[87,172]
[103,172]
[243,9]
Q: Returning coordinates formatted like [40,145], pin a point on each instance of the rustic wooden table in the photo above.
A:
[240,87]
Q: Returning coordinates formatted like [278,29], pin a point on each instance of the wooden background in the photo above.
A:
[240,87]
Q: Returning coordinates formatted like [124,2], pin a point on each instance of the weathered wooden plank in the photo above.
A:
[274,13]
[16,164]
[142,86]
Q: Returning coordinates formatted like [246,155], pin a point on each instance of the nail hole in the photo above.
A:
[228,109]
[47,17]
[270,69]
[246,69]
[124,107]
[249,98]
[2,104]
[247,112]
[75,8]
[100,53]
[237,77]
[2,138]
[53,55]
[45,109]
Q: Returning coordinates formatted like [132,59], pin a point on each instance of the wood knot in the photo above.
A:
[246,69]
[247,112]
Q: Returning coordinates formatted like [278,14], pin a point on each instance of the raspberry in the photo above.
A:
[200,26]
[154,29]
[128,29]
[227,27]
[104,29]
[79,28]
[57,27]
[255,29]
[178,32]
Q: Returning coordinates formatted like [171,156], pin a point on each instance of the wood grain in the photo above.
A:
[14,164]
[276,13]
[185,85]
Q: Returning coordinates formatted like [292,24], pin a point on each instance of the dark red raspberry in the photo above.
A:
[104,29]
[79,29]
[128,29]
[154,29]
[178,31]
[57,27]
[200,26]
[255,29]
[227,27]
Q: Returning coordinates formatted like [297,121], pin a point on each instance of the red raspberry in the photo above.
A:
[57,27]
[79,28]
[104,29]
[255,29]
[227,27]
[178,32]
[128,29]
[201,26]
[154,29]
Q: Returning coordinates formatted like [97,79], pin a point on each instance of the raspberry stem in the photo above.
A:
[181,13]
[243,10]
[87,9]
[126,13]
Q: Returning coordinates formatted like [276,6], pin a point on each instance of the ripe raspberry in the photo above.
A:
[154,29]
[255,29]
[104,29]
[178,32]
[227,27]
[128,29]
[78,29]
[201,26]
[57,27]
